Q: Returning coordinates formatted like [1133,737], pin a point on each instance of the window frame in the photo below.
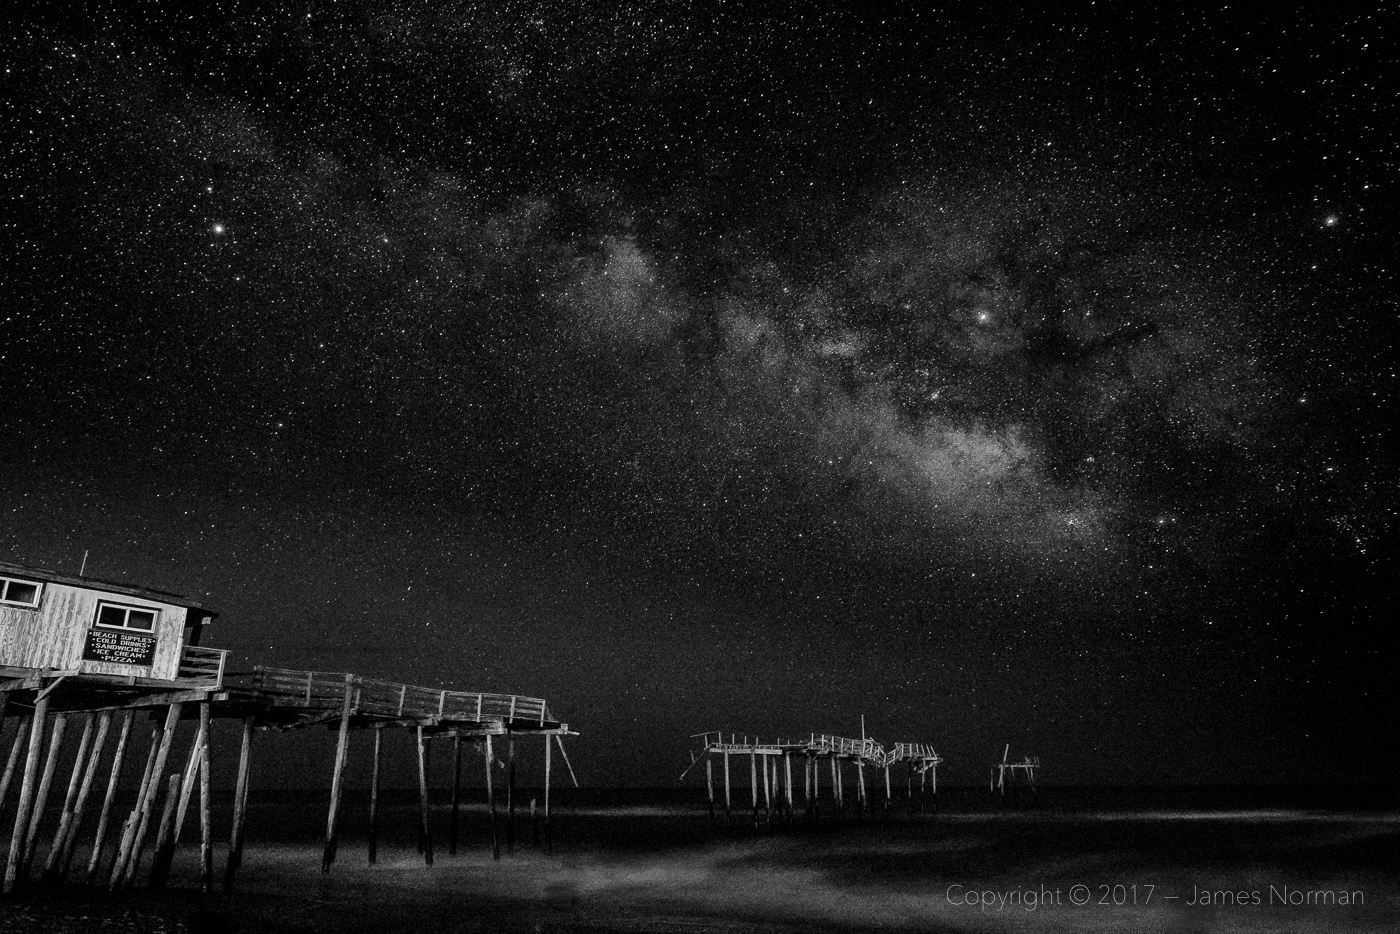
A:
[128,607]
[6,580]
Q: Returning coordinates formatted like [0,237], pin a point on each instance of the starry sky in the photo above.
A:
[1001,376]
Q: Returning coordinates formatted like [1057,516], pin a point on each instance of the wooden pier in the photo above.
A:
[776,760]
[79,653]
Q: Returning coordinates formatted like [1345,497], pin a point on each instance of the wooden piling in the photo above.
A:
[70,799]
[767,793]
[374,799]
[753,781]
[188,777]
[41,799]
[342,749]
[491,800]
[26,794]
[709,783]
[457,792]
[206,819]
[118,757]
[70,841]
[424,829]
[787,765]
[728,803]
[240,803]
[165,834]
[16,748]
[887,790]
[548,831]
[510,790]
[143,817]
[840,787]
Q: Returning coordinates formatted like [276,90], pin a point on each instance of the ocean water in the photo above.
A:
[1082,859]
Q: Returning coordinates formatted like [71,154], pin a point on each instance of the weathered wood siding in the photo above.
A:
[53,635]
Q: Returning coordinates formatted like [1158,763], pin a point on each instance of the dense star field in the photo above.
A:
[1000,377]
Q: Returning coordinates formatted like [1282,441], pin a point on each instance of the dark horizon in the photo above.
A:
[1003,378]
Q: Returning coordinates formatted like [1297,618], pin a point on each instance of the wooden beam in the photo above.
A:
[118,757]
[26,795]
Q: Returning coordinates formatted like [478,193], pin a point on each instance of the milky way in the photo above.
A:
[825,305]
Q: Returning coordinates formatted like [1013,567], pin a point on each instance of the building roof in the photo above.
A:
[94,583]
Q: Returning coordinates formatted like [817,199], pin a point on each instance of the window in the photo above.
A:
[20,592]
[115,616]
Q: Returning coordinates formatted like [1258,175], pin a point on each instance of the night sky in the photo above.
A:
[1000,376]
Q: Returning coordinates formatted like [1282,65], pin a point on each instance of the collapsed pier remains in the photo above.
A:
[818,753]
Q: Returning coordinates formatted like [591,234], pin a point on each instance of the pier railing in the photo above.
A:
[324,689]
[203,665]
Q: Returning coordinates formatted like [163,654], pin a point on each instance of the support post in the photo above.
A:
[548,762]
[206,821]
[839,785]
[143,819]
[767,793]
[374,799]
[887,789]
[753,781]
[710,784]
[26,794]
[41,799]
[240,803]
[728,804]
[491,801]
[342,749]
[510,790]
[165,833]
[118,757]
[457,793]
[424,829]
[70,799]
[70,841]
[16,748]
[787,766]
